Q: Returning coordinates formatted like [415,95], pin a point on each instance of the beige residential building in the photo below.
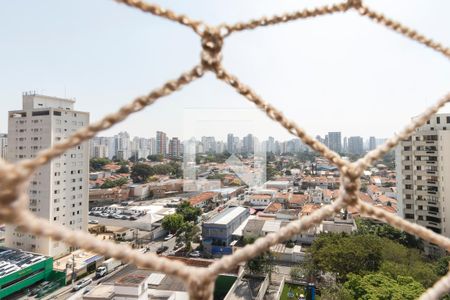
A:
[59,190]
[423,176]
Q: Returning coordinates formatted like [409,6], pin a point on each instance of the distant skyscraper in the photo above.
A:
[230,143]
[270,144]
[152,146]
[335,141]
[372,143]
[423,177]
[3,145]
[355,145]
[122,145]
[209,144]
[345,146]
[174,148]
[161,143]
[58,191]
[248,144]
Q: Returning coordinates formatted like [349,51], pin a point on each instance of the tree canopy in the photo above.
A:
[383,287]
[173,222]
[385,230]
[343,254]
[107,184]
[189,213]
[97,164]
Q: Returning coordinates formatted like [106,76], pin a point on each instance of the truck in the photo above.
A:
[107,267]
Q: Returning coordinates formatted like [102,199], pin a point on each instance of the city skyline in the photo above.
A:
[61,54]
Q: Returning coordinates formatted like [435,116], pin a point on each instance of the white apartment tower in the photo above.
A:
[423,176]
[3,145]
[59,190]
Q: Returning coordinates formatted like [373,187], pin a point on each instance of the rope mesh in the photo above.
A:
[200,281]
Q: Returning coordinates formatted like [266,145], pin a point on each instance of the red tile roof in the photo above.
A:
[202,197]
[273,207]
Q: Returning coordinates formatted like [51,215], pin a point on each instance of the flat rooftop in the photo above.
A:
[227,215]
[12,260]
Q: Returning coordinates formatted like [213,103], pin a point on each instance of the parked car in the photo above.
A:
[168,237]
[104,215]
[93,222]
[195,254]
[161,249]
[37,288]
[82,283]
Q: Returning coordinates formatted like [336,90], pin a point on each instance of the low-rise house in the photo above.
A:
[374,191]
[204,200]
[297,200]
[253,229]
[99,197]
[287,214]
[273,208]
[260,199]
[278,185]
[217,233]
[308,209]
[339,225]
[282,197]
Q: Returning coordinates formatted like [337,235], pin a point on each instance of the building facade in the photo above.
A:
[423,177]
[174,148]
[335,141]
[372,143]
[3,145]
[58,191]
[355,145]
[161,143]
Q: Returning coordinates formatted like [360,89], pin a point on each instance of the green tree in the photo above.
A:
[123,169]
[173,222]
[189,213]
[262,264]
[97,164]
[113,183]
[441,267]
[297,273]
[387,231]
[342,254]
[140,172]
[155,157]
[188,231]
[383,287]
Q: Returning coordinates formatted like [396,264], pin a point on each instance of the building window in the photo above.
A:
[40,113]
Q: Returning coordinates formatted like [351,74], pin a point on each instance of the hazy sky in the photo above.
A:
[333,73]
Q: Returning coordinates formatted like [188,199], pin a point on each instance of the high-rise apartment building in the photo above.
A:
[248,144]
[345,145]
[230,143]
[152,146]
[122,145]
[372,143]
[423,176]
[209,144]
[355,145]
[270,146]
[335,141]
[3,145]
[58,191]
[174,148]
[161,143]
